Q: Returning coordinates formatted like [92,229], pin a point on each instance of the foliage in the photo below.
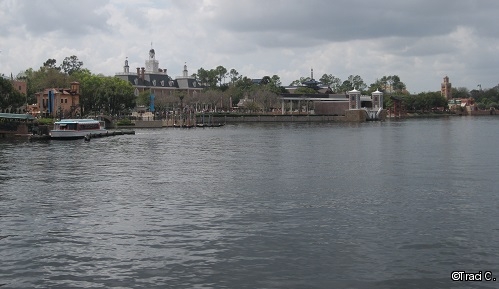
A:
[50,76]
[234,76]
[424,101]
[460,92]
[111,95]
[124,121]
[51,63]
[71,64]
[354,82]
[331,81]
[45,121]
[486,98]
[221,73]
[209,78]
[144,98]
[300,82]
[9,97]
[105,94]
[252,106]
[305,90]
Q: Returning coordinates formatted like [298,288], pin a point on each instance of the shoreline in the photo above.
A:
[217,119]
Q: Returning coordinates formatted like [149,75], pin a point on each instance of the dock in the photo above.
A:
[111,133]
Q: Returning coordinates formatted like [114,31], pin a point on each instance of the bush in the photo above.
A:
[45,121]
[124,121]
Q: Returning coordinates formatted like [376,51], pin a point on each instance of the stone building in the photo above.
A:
[58,102]
[446,88]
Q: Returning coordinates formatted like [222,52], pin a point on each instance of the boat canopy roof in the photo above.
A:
[62,121]
[17,116]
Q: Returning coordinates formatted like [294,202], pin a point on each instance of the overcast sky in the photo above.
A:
[421,41]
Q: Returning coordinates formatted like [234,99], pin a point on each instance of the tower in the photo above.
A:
[185,72]
[354,99]
[446,88]
[377,99]
[152,65]
[126,68]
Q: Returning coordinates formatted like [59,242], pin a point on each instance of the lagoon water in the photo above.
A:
[395,204]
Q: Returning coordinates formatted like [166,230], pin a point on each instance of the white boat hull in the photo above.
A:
[75,134]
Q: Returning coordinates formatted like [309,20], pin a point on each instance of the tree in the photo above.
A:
[390,84]
[347,85]
[264,97]
[144,98]
[331,81]
[276,81]
[180,95]
[357,82]
[252,106]
[397,85]
[46,77]
[460,92]
[50,63]
[71,64]
[265,80]
[234,76]
[424,101]
[305,90]
[300,81]
[326,79]
[221,73]
[105,94]
[209,78]
[9,97]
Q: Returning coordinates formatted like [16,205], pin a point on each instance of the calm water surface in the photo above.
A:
[396,204]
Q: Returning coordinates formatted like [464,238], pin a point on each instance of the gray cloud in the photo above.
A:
[70,18]
[419,40]
[338,21]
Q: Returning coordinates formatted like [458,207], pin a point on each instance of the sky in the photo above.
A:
[421,41]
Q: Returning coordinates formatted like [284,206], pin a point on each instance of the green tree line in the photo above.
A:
[98,93]
[223,89]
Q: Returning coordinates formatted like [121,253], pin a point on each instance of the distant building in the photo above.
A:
[157,80]
[22,87]
[446,88]
[19,85]
[58,102]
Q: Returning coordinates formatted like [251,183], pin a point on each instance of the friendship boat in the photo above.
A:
[77,128]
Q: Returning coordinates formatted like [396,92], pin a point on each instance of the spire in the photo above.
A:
[126,68]
[185,74]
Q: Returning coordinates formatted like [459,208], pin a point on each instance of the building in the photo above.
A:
[333,104]
[446,88]
[152,77]
[22,87]
[58,102]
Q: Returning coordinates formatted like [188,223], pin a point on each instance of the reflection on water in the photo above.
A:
[397,204]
